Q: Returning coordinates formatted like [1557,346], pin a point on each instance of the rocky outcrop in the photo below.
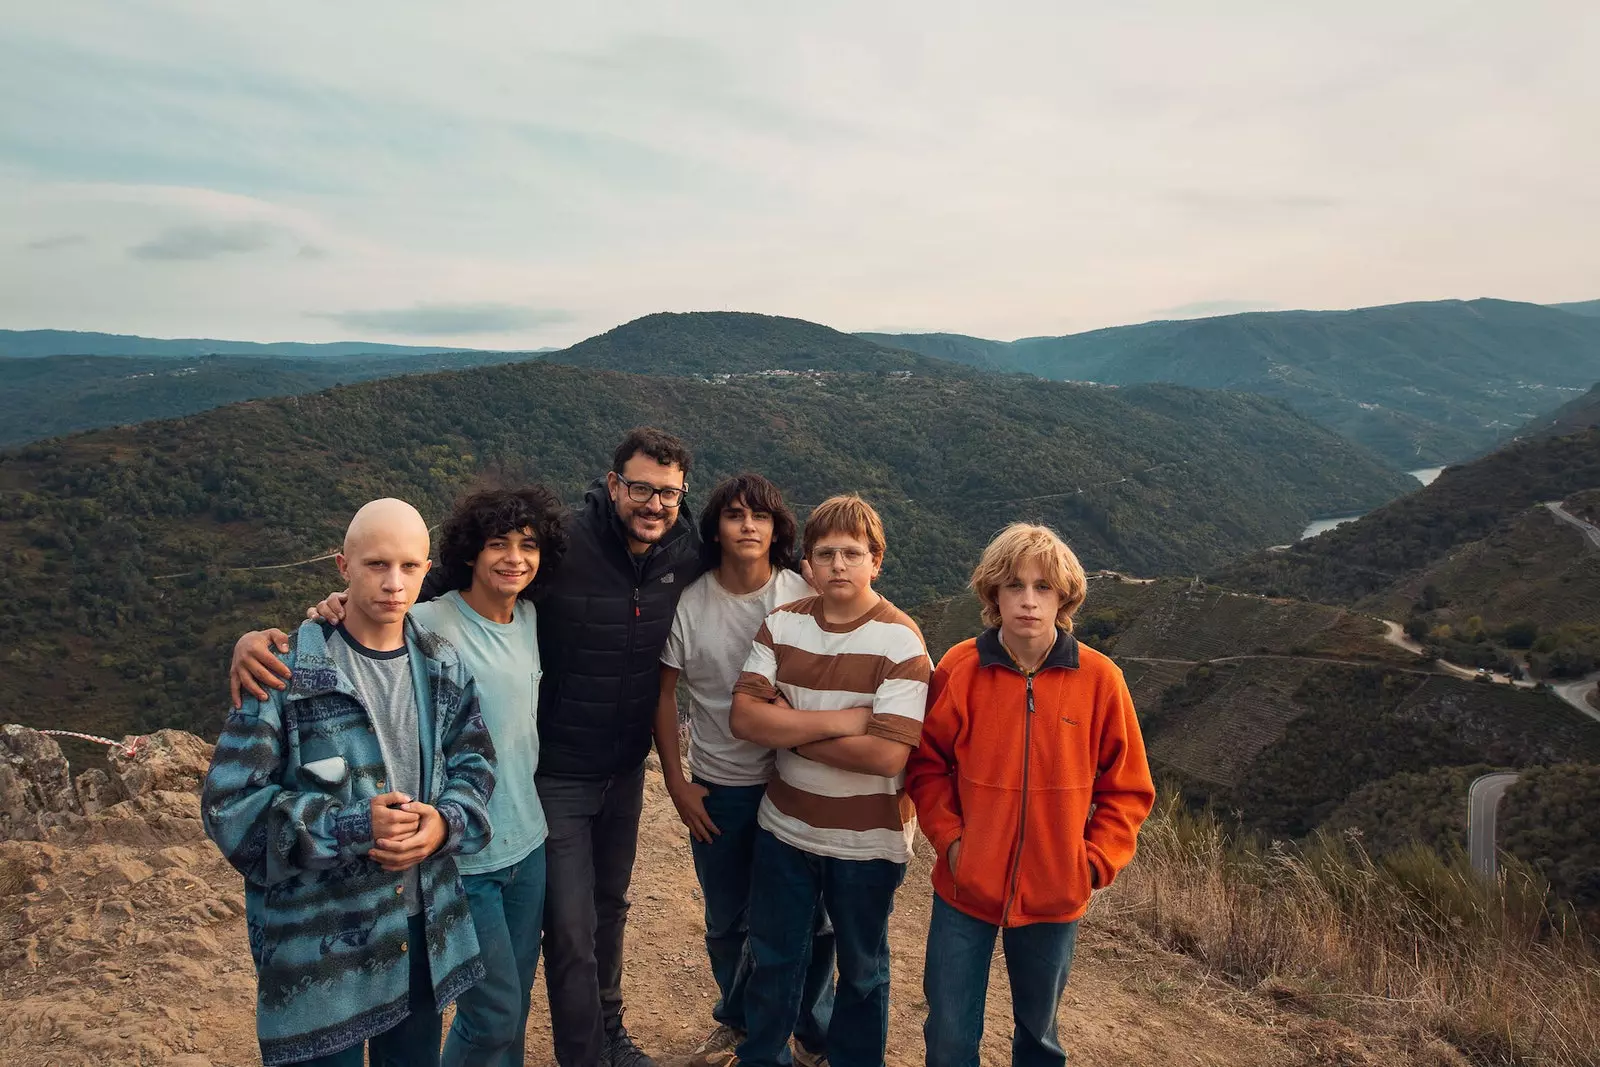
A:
[152,775]
[36,787]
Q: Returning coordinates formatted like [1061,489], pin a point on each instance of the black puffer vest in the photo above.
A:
[602,625]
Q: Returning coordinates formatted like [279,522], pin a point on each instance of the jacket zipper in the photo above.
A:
[1022,817]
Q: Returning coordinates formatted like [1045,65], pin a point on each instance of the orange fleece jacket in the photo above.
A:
[1047,799]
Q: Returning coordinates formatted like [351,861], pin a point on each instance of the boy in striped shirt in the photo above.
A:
[837,684]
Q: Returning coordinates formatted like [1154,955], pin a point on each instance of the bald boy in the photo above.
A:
[342,799]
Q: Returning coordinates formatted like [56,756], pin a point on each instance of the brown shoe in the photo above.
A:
[723,1038]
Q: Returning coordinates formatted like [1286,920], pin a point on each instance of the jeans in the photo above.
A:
[594,833]
[414,1040]
[787,890]
[955,982]
[492,1017]
[724,868]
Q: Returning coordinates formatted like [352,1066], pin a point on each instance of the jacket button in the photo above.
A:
[399,890]
[402,946]
[380,784]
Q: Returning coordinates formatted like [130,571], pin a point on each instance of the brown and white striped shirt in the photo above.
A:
[878,660]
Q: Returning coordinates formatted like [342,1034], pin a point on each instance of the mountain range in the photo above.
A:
[1421,384]
[134,555]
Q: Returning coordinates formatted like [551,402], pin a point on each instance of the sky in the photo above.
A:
[518,175]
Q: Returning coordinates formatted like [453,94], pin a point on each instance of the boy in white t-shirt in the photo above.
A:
[749,538]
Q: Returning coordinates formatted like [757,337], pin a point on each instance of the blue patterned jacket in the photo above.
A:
[328,926]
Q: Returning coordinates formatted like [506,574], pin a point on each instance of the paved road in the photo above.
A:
[1483,803]
[1576,694]
[1591,532]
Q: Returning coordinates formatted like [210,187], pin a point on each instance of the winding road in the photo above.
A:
[1591,532]
[1483,804]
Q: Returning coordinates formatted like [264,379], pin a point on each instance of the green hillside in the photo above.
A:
[1420,384]
[1579,413]
[706,343]
[127,552]
[1465,504]
[52,395]
[958,348]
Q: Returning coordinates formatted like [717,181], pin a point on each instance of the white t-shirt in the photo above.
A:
[710,640]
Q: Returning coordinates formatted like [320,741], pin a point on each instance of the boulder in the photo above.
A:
[165,761]
[36,790]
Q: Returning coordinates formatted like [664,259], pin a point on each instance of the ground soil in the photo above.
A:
[126,945]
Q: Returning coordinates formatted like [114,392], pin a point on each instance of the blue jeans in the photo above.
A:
[955,982]
[508,912]
[724,868]
[788,888]
[414,1040]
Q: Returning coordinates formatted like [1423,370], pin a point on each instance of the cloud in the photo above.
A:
[206,241]
[439,320]
[1203,308]
[60,240]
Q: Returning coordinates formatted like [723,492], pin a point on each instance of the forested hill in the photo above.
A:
[707,343]
[120,591]
[1463,505]
[38,343]
[1421,383]
[53,395]
[1579,413]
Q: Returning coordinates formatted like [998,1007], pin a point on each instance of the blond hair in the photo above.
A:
[845,514]
[1023,542]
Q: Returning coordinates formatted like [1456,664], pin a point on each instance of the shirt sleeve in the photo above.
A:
[759,678]
[901,701]
[672,654]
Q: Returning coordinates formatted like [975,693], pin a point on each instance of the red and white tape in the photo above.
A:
[126,749]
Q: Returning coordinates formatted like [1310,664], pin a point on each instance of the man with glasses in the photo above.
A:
[601,630]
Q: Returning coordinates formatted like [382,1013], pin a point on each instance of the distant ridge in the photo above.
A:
[1419,383]
[706,343]
[31,344]
[1580,307]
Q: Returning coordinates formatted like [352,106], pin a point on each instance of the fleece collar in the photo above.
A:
[991,653]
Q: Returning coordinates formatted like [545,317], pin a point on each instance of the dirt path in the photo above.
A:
[129,947]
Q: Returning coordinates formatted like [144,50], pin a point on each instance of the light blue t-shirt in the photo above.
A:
[503,659]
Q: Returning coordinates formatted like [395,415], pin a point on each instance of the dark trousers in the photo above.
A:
[594,833]
[788,889]
[956,985]
[492,1017]
[724,867]
[414,1040]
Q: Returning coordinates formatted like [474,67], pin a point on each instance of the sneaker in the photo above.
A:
[620,1050]
[724,1037]
[804,1057]
[718,1058]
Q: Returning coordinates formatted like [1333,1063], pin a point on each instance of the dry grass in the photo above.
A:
[1413,941]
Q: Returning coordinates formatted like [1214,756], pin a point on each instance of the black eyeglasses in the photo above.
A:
[639,492]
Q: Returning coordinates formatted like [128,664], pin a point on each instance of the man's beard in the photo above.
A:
[651,538]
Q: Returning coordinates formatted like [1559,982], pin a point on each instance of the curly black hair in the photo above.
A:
[758,494]
[487,513]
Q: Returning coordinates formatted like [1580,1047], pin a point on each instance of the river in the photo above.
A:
[1425,475]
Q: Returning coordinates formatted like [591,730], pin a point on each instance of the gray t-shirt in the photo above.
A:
[382,682]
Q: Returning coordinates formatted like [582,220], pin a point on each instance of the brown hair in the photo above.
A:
[845,514]
[1003,560]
